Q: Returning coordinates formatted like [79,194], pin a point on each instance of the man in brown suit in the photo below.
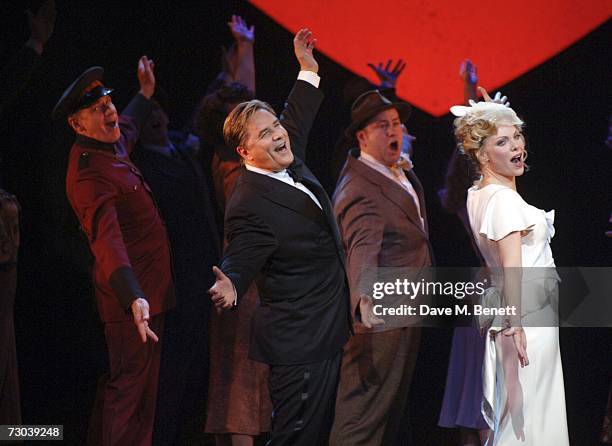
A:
[380,209]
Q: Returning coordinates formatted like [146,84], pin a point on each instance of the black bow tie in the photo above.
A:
[293,173]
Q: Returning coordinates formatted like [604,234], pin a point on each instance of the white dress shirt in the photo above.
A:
[283,175]
[311,77]
[395,174]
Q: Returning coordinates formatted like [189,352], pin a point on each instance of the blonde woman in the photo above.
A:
[524,399]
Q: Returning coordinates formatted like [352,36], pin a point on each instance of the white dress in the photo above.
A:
[523,406]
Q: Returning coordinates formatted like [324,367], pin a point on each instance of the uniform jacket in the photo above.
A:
[278,236]
[118,214]
[379,224]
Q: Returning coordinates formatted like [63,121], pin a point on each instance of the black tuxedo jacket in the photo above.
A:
[280,238]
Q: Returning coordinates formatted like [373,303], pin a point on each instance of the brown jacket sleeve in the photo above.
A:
[361,227]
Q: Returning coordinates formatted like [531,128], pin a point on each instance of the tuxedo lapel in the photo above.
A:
[283,194]
[311,182]
[313,185]
[296,200]
[400,197]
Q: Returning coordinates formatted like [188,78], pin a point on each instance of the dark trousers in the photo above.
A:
[303,399]
[373,390]
[125,404]
[10,409]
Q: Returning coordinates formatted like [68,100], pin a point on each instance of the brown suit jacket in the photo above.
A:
[379,224]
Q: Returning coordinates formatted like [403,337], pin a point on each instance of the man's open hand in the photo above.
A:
[303,44]
[222,293]
[140,311]
[368,318]
[146,77]
[240,30]
[388,74]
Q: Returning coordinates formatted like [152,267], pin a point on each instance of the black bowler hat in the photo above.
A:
[368,105]
[74,97]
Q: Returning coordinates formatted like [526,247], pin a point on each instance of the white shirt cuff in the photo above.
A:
[235,294]
[311,77]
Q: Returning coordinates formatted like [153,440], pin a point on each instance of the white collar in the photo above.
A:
[371,160]
[404,162]
[273,173]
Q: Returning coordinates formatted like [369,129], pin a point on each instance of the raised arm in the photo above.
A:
[237,60]
[468,73]
[137,111]
[469,76]
[16,73]
[244,71]
[250,243]
[305,98]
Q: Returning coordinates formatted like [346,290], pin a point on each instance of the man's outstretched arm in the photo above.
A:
[250,244]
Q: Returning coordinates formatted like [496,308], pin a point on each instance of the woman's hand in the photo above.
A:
[520,343]
[498,98]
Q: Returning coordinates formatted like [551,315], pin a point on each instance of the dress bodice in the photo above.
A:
[495,211]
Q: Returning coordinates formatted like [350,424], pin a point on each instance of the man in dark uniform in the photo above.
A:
[281,232]
[132,271]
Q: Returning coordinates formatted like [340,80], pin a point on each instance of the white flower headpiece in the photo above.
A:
[488,111]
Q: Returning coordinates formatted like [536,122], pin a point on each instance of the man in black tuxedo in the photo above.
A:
[281,232]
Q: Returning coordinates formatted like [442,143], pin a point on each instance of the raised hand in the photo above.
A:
[222,293]
[146,77]
[229,61]
[140,311]
[498,98]
[467,72]
[240,30]
[303,44]
[387,75]
[42,24]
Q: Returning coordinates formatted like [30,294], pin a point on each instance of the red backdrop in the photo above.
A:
[503,38]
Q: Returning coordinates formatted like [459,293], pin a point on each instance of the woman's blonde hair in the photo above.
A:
[479,121]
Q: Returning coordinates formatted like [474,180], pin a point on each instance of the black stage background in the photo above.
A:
[565,102]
